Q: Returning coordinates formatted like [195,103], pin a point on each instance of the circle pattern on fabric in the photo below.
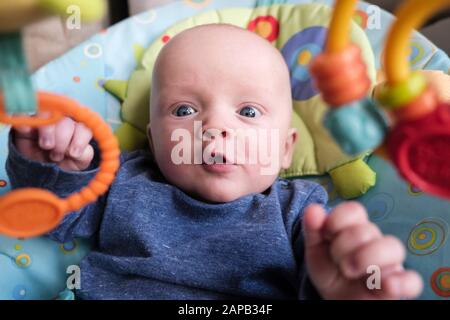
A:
[298,52]
[23,260]
[93,50]
[19,292]
[427,236]
[414,191]
[440,282]
[267,27]
[380,206]
[69,247]
[417,52]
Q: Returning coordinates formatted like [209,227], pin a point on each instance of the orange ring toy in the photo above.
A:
[32,212]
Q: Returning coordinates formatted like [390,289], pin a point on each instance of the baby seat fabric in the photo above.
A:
[37,268]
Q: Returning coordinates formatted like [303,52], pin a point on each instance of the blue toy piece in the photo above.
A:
[357,127]
[15,82]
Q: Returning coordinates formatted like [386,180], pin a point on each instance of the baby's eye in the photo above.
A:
[184,110]
[249,112]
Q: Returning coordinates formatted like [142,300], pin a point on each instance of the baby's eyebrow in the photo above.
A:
[171,93]
[181,88]
[167,97]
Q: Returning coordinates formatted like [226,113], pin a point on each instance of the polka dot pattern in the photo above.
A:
[93,50]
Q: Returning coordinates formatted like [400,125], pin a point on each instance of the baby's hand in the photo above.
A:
[341,246]
[65,143]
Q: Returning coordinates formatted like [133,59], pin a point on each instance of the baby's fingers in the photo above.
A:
[46,133]
[383,252]
[47,137]
[80,140]
[353,238]
[401,285]
[63,133]
[85,158]
[24,132]
[344,216]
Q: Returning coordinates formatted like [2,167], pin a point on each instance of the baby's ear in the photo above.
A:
[289,147]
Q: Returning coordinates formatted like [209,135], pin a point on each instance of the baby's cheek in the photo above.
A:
[257,148]
[258,178]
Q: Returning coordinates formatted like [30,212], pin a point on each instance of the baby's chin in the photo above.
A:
[218,196]
[218,187]
[224,191]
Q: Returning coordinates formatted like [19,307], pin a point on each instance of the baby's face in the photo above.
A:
[221,113]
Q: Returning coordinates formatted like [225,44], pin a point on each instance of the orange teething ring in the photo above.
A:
[32,212]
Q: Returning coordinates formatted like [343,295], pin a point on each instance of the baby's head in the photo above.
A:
[221,113]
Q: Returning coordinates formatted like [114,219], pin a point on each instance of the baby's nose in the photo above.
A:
[209,134]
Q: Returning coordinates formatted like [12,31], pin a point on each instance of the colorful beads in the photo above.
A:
[421,106]
[398,95]
[341,77]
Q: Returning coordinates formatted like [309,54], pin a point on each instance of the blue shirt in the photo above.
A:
[153,241]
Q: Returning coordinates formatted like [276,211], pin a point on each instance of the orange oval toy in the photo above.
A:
[32,212]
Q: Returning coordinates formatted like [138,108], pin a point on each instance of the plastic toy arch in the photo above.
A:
[32,212]
[419,142]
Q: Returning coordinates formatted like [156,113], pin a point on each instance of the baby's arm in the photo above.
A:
[307,290]
[34,162]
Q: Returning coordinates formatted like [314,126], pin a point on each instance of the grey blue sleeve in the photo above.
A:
[23,172]
[307,290]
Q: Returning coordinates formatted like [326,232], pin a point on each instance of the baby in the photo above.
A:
[215,228]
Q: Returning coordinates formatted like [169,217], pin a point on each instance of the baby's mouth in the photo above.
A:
[217,158]
[218,163]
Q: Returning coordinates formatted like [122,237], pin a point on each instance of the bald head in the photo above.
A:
[227,39]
